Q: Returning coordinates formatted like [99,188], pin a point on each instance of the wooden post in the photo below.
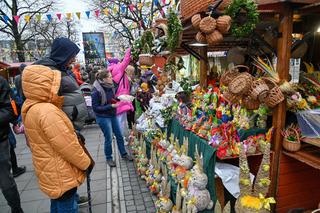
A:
[203,66]
[279,112]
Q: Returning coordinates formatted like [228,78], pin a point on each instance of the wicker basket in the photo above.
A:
[201,38]
[231,98]
[224,4]
[195,20]
[224,24]
[228,76]
[291,146]
[161,21]
[208,25]
[275,96]
[258,88]
[214,37]
[190,7]
[241,84]
[250,103]
[146,60]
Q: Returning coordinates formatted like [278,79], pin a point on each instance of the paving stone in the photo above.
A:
[131,208]
[32,195]
[130,203]
[140,207]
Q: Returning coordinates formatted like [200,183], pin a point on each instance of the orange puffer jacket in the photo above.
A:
[58,158]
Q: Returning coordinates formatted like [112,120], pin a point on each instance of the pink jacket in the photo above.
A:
[117,71]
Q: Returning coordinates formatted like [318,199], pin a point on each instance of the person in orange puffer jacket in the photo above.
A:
[77,73]
[60,161]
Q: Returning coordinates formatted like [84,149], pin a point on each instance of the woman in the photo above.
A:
[119,71]
[104,105]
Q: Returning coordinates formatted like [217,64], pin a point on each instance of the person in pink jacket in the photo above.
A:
[120,77]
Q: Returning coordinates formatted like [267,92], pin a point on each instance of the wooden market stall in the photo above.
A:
[294,176]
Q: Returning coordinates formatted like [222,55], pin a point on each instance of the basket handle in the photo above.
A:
[242,66]
[296,133]
[270,82]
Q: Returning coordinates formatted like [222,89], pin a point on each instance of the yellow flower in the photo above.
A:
[266,201]
[251,202]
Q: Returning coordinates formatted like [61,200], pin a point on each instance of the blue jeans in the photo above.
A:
[65,206]
[109,125]
[7,184]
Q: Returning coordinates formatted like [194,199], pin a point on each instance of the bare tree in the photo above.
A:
[18,31]
[128,18]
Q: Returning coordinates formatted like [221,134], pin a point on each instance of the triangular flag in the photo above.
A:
[38,17]
[131,7]
[78,15]
[123,9]
[156,2]
[27,18]
[59,16]
[97,12]
[88,14]
[16,18]
[163,1]
[148,4]
[115,10]
[6,18]
[140,5]
[49,17]
[68,15]
[106,11]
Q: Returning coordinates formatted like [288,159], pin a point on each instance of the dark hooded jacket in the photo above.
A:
[62,51]
[6,111]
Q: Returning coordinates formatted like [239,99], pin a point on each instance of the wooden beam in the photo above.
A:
[203,66]
[279,113]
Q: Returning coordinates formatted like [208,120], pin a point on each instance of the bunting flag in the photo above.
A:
[16,18]
[148,4]
[123,9]
[97,12]
[68,16]
[140,5]
[59,16]
[156,2]
[106,12]
[115,10]
[88,14]
[78,15]
[164,1]
[27,18]
[6,18]
[49,17]
[38,17]
[131,7]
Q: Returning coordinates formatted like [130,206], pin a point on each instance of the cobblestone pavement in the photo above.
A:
[113,190]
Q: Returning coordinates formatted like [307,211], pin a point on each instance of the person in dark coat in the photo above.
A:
[7,184]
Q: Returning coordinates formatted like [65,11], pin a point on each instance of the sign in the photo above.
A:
[94,48]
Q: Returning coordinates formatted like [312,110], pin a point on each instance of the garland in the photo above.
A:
[252,17]
[174,30]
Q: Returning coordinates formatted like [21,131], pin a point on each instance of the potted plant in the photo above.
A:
[146,58]
[291,141]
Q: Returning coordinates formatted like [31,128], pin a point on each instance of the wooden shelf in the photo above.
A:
[308,154]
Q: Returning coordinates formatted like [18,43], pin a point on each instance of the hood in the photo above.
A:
[41,85]
[113,61]
[62,50]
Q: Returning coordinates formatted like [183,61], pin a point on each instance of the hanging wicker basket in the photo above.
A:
[208,25]
[146,60]
[224,24]
[250,103]
[241,84]
[224,4]
[195,20]
[214,37]
[275,95]
[201,38]
[228,76]
[259,89]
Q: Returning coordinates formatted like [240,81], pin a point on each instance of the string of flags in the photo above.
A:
[97,13]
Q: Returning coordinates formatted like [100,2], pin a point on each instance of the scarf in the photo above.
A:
[99,85]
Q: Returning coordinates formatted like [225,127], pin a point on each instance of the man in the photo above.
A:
[7,184]
[60,161]
[62,56]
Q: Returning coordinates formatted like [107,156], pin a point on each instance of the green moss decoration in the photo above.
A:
[174,30]
[244,16]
